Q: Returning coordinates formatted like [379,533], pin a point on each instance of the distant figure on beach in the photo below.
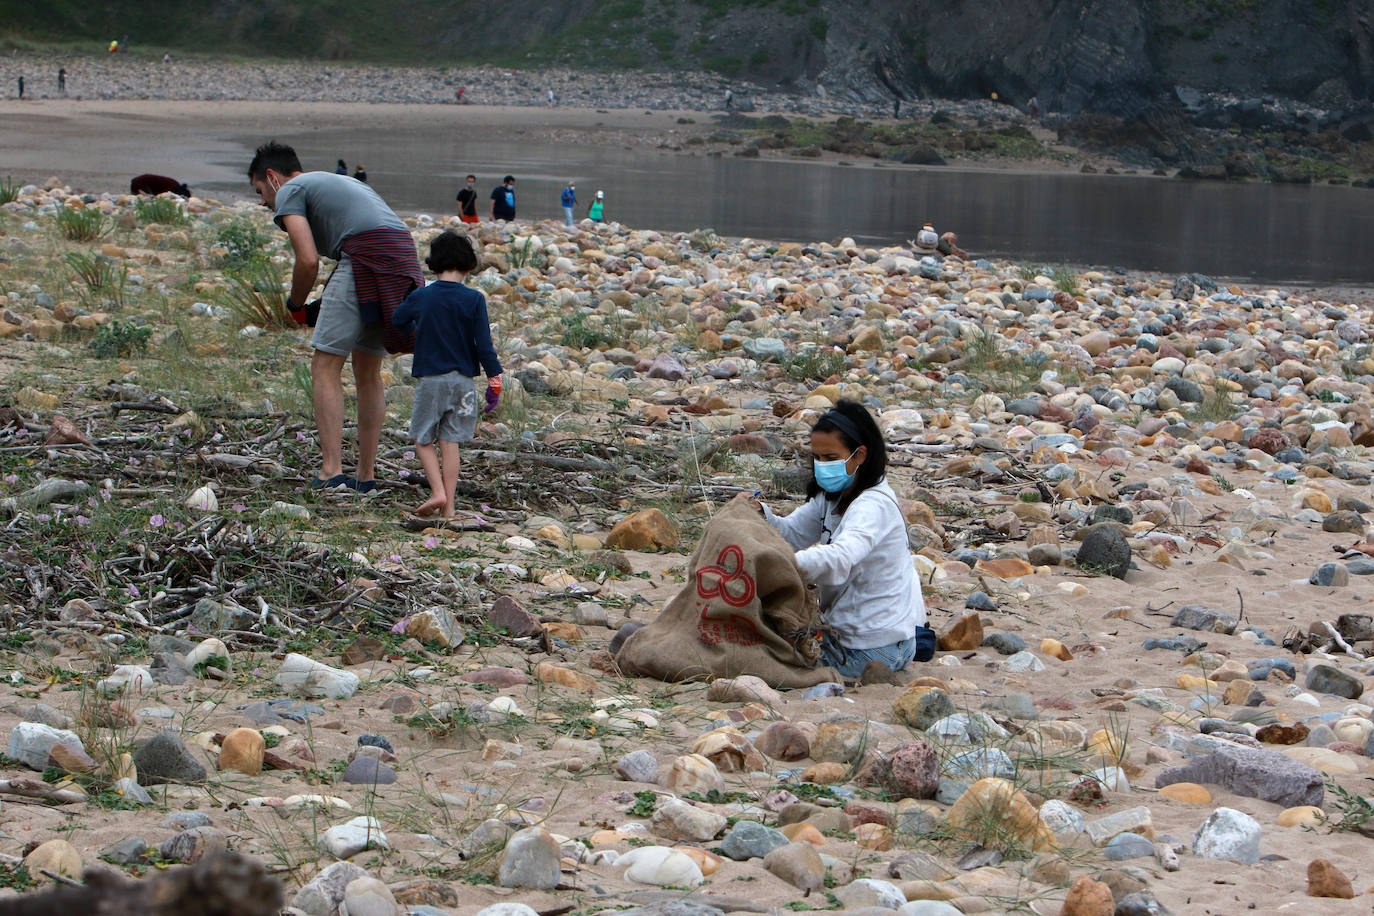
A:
[467,201]
[452,341]
[503,200]
[896,108]
[569,201]
[729,99]
[329,215]
[114,46]
[61,79]
[341,168]
[166,58]
[553,100]
[21,87]
[157,184]
[458,94]
[1034,106]
[949,245]
[596,211]
[360,173]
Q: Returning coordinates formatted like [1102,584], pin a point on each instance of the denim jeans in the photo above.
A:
[567,216]
[851,662]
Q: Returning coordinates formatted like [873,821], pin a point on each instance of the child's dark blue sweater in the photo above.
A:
[451,330]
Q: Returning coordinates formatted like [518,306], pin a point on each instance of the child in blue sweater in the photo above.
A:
[452,337]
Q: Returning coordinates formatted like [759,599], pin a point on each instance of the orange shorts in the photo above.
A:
[468,218]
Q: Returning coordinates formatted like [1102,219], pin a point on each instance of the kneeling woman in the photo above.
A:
[850,539]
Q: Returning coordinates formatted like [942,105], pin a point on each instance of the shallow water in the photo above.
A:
[1273,233]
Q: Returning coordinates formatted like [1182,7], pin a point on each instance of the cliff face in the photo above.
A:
[1116,56]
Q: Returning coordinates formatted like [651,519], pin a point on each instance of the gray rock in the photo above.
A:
[131,850]
[929,908]
[185,820]
[637,766]
[324,893]
[348,839]
[530,860]
[764,348]
[368,771]
[981,763]
[1141,903]
[1334,681]
[487,837]
[1329,575]
[1021,662]
[46,715]
[31,742]
[1105,550]
[870,892]
[677,820]
[1004,643]
[1045,555]
[166,758]
[1256,773]
[979,601]
[192,845]
[751,840]
[169,669]
[931,707]
[1128,846]
[1354,627]
[1228,834]
[1343,521]
[1198,617]
[682,907]
[212,617]
[1013,705]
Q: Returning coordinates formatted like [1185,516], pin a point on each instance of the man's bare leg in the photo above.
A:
[367,374]
[449,450]
[326,389]
[429,460]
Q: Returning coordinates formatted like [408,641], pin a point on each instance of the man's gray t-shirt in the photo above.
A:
[335,206]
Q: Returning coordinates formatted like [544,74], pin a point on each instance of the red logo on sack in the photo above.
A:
[726,580]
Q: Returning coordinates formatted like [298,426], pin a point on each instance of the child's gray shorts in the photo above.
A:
[445,408]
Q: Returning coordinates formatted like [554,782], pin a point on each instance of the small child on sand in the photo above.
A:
[452,336]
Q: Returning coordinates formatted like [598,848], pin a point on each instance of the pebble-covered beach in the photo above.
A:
[1139,505]
[120,77]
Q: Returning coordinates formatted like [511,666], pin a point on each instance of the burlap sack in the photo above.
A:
[744,610]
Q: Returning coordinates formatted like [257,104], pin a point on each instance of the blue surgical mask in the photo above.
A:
[832,476]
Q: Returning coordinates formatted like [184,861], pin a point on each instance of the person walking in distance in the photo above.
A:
[467,201]
[62,80]
[335,216]
[341,168]
[21,87]
[596,212]
[569,201]
[360,173]
[503,199]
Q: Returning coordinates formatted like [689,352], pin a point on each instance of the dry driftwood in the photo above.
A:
[222,885]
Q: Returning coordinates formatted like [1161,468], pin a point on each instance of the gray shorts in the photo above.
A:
[445,408]
[340,328]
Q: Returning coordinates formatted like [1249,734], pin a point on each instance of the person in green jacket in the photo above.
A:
[594,212]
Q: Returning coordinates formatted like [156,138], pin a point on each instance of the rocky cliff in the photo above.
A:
[1116,56]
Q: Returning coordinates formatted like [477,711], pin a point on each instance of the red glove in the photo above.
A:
[493,395]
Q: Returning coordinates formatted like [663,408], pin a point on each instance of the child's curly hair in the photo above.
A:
[452,251]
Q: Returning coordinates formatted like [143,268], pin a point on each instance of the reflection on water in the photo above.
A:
[1274,233]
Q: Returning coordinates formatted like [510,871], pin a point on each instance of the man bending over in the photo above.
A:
[325,213]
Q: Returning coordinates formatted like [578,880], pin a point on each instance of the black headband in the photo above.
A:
[843,424]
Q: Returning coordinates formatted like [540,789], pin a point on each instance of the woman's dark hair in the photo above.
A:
[275,156]
[846,419]
[451,251]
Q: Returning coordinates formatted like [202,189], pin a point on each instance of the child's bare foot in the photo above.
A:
[432,505]
[448,511]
